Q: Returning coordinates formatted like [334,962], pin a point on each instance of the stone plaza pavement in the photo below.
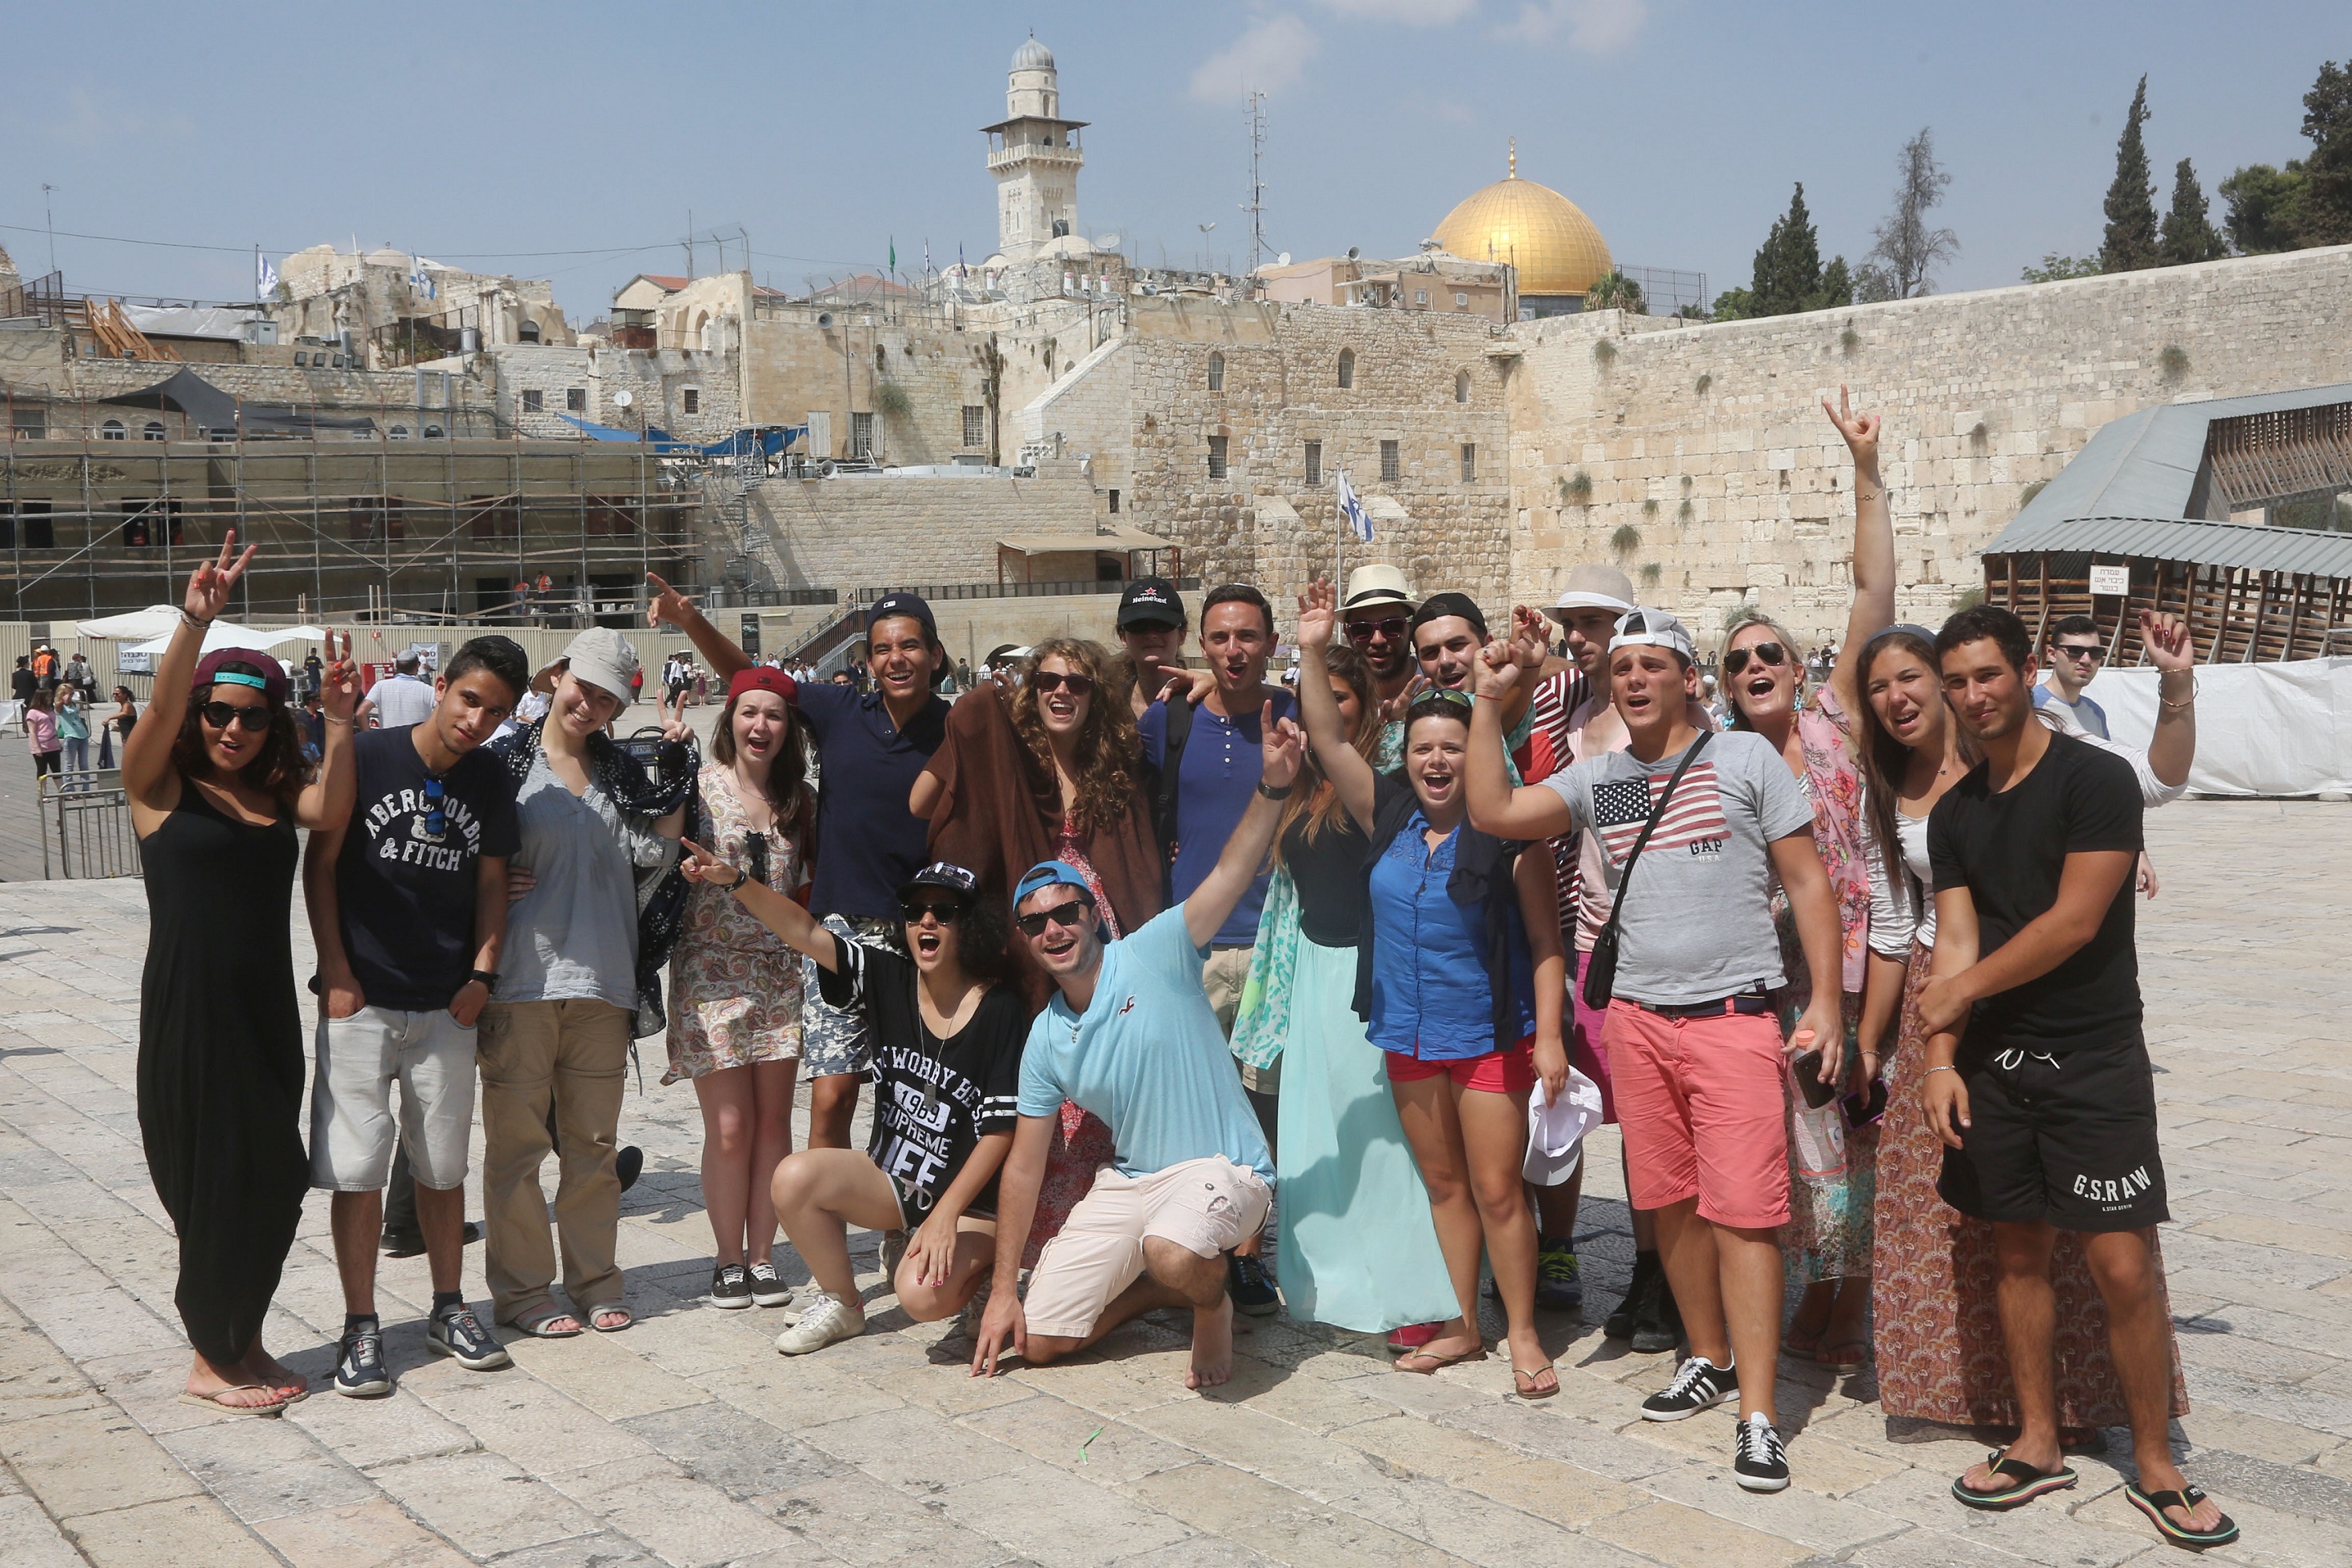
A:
[688,1440]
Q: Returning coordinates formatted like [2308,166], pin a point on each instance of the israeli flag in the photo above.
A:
[419,280]
[1351,510]
[265,278]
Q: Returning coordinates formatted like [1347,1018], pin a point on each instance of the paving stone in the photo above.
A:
[267,1469]
[738,1453]
[482,1503]
[1690,1538]
[670,1513]
[359,1536]
[867,1522]
[32,1537]
[1070,1437]
[1279,1523]
[86,1462]
[1057,1520]
[185,1532]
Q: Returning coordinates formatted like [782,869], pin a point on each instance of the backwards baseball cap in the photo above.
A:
[1150,602]
[1901,628]
[1438,606]
[1050,874]
[763,678]
[1375,585]
[1595,587]
[271,682]
[604,659]
[911,604]
[1647,628]
[942,874]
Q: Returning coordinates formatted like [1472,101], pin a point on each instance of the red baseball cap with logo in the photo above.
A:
[762,678]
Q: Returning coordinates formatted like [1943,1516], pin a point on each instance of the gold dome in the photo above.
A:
[1542,233]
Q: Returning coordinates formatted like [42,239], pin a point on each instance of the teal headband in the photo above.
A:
[238,677]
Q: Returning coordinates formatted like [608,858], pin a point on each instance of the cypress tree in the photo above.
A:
[2326,207]
[1788,272]
[2130,243]
[2188,233]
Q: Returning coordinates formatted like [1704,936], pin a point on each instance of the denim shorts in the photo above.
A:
[832,1040]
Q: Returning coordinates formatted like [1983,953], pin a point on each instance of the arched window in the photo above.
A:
[1347,369]
[112,431]
[527,331]
[432,432]
[400,432]
[1461,386]
[154,431]
[1217,372]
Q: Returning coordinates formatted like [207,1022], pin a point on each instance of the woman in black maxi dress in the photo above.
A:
[216,804]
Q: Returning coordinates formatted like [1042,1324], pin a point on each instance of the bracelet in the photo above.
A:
[742,876]
[1271,793]
[1947,1068]
[188,619]
[489,979]
[2165,702]
[331,718]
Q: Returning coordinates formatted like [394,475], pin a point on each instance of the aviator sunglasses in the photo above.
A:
[1392,628]
[1069,915]
[1770,654]
[220,716]
[1045,682]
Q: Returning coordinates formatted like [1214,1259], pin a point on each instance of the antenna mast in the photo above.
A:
[1256,206]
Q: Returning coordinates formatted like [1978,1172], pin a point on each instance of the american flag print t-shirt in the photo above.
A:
[1696,922]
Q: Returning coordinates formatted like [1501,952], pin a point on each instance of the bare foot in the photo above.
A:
[233,1390]
[1213,1345]
[2166,1477]
[1530,1367]
[260,1366]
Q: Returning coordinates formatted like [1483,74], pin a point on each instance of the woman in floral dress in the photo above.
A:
[1827,1241]
[735,987]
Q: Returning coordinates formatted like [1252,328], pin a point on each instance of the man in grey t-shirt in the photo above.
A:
[1695,1051]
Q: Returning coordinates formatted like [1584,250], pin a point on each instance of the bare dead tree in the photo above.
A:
[1905,259]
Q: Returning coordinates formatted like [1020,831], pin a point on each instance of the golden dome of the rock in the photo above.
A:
[1546,236]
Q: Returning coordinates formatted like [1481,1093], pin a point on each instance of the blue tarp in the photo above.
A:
[767,440]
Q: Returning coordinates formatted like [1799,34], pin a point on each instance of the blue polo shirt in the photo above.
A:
[1216,778]
[1430,995]
[1148,1057]
[868,843]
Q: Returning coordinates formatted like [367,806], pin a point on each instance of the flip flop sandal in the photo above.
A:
[212,1401]
[1830,1359]
[1804,1347]
[2015,1483]
[534,1322]
[627,1317]
[1527,1382]
[2153,1503]
[1437,1361]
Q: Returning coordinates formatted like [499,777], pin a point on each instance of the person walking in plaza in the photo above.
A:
[1357,1243]
[1131,1037]
[408,912]
[1696,1051]
[217,788]
[73,727]
[81,677]
[22,683]
[41,736]
[1376,614]
[1827,1245]
[403,698]
[735,986]
[119,722]
[1935,1320]
[557,1034]
[948,1035]
[2047,1108]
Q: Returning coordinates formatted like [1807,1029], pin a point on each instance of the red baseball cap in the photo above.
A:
[763,678]
[271,680]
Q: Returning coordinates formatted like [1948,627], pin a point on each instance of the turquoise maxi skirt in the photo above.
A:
[1357,1248]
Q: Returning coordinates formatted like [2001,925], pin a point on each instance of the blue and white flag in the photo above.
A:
[1351,510]
[264,278]
[420,281]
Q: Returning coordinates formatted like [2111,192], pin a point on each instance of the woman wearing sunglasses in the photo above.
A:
[218,787]
[1052,770]
[735,987]
[1827,1242]
[1461,978]
[947,1074]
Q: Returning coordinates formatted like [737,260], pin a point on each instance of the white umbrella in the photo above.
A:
[223,634]
[139,625]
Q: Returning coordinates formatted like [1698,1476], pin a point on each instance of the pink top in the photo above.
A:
[41,731]
[1832,784]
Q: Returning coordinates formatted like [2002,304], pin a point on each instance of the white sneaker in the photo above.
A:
[825,1321]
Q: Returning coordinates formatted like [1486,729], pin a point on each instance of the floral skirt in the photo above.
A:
[1935,1322]
[731,1006]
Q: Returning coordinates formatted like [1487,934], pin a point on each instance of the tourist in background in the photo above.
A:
[22,683]
[217,788]
[41,735]
[73,727]
[125,715]
[1151,625]
[735,987]
[403,698]
[2075,656]
[1376,613]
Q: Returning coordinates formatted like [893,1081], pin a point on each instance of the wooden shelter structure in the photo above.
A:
[2176,508]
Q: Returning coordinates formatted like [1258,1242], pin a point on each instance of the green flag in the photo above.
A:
[894,253]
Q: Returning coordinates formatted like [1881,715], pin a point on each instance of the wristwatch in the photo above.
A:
[488,977]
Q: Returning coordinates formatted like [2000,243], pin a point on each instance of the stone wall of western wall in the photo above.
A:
[1716,479]
[881,530]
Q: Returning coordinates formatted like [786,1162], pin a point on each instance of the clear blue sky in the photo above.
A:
[472,133]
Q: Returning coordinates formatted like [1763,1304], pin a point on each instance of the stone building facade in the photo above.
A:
[880,529]
[690,394]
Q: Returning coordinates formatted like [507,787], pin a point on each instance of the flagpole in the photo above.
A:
[1339,545]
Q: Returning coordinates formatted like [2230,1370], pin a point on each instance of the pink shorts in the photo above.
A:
[1585,1052]
[1703,1113]
[1511,1072]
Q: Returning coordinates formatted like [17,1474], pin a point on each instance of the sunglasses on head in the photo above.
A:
[437,820]
[1391,627]
[1050,681]
[945,911]
[220,716]
[1770,654]
[2090,651]
[1069,915]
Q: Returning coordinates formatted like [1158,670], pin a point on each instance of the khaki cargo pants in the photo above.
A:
[573,1055]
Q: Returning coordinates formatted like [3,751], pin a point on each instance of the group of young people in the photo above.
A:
[1179,990]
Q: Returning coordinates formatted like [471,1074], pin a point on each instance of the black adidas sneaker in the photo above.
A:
[1697,1386]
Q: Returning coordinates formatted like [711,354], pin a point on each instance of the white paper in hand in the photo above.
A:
[1556,1129]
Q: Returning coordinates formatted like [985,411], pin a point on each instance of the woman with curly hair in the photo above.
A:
[217,785]
[1052,772]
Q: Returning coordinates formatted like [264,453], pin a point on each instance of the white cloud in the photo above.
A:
[1269,57]
[1411,13]
[1596,26]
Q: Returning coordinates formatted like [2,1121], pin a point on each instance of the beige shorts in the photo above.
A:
[1207,1206]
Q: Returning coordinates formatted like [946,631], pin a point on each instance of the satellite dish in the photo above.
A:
[1107,242]
[1282,260]
[624,398]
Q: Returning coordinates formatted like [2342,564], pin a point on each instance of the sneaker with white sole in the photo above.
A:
[730,1287]
[768,1287]
[359,1371]
[826,1320]
[1700,1384]
[457,1334]
[1759,1462]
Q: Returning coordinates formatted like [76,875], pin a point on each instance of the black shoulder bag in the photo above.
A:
[1601,969]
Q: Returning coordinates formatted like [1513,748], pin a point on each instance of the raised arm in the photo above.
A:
[1530,812]
[1230,878]
[148,776]
[339,995]
[668,604]
[784,916]
[326,801]
[1318,710]
[2173,747]
[1874,549]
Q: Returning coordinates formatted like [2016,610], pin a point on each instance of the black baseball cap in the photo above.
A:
[1150,602]
[1439,606]
[909,604]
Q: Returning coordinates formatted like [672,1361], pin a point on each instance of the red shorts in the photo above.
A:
[1511,1072]
[1585,1052]
[1704,1114]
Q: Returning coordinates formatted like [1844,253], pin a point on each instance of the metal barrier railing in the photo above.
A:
[86,826]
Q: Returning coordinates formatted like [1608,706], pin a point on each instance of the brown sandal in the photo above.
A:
[1528,1381]
[1437,1361]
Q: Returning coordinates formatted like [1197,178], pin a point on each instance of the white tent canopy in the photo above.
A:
[222,635]
[138,625]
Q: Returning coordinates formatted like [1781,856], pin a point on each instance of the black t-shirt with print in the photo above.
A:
[406,894]
[2009,849]
[933,1099]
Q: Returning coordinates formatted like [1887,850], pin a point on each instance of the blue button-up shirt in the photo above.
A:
[1430,995]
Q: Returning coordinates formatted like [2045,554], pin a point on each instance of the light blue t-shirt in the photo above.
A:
[1148,1057]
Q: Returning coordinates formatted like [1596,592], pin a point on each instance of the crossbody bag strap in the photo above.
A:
[1625,877]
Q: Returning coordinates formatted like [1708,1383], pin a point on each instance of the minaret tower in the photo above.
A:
[1034,155]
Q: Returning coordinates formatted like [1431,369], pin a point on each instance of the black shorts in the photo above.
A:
[2066,1139]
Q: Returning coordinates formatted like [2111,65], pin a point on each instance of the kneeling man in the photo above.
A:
[1130,1036]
